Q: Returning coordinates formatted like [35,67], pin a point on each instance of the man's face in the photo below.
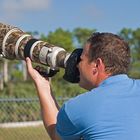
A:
[85,69]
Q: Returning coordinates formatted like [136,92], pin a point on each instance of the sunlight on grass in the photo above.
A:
[24,133]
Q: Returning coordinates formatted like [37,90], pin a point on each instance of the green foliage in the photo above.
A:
[64,88]
[136,42]
[60,38]
[82,34]
[19,90]
[133,38]
[17,75]
[135,70]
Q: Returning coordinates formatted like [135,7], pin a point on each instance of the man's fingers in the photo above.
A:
[29,64]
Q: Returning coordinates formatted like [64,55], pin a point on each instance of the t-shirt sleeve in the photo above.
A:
[65,127]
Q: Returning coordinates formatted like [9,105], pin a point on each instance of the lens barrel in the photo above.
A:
[16,44]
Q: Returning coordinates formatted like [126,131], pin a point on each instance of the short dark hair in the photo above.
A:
[112,49]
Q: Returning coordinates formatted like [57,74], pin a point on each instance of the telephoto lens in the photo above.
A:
[17,44]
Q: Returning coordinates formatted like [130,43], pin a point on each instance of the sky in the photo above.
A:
[48,15]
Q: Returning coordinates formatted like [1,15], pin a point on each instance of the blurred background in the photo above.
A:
[66,24]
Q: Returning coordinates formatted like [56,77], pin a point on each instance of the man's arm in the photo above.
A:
[49,106]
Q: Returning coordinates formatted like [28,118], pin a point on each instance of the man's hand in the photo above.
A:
[35,73]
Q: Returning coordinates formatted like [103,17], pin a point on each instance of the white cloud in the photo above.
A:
[25,5]
[94,12]
[15,9]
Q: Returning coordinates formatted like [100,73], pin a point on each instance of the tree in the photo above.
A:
[136,43]
[61,38]
[5,71]
[1,76]
[82,34]
[133,38]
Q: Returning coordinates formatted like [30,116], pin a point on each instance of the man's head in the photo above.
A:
[113,51]
[107,54]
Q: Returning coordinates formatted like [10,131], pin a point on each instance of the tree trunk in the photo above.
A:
[1,78]
[24,71]
[5,71]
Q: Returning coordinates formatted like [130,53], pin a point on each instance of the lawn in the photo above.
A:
[24,133]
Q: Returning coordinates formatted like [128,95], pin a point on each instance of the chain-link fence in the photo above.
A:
[20,119]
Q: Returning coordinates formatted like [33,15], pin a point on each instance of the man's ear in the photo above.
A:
[100,65]
[94,67]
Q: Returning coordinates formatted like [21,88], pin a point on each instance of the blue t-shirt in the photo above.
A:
[109,112]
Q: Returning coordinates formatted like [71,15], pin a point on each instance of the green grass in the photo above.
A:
[24,133]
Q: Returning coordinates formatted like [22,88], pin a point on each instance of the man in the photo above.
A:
[110,108]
